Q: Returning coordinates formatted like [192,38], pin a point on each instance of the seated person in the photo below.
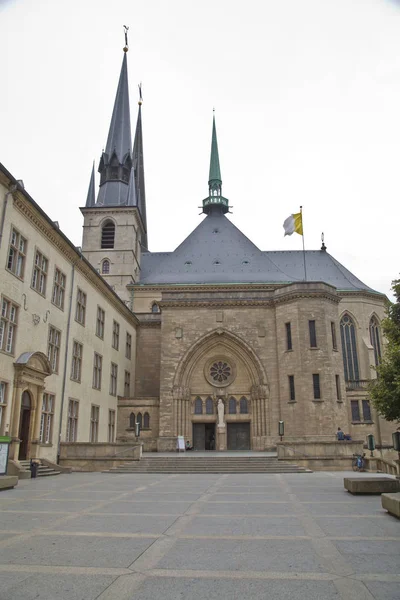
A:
[188,446]
[340,435]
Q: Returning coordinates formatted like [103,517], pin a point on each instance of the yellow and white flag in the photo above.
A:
[293,224]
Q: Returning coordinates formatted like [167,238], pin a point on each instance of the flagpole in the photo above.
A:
[304,251]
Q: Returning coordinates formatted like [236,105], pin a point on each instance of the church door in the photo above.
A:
[238,436]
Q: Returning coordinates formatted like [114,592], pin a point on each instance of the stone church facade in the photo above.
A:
[215,323]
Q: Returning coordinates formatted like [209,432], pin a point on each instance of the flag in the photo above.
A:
[293,224]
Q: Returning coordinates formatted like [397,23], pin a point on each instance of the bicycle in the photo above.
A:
[358,462]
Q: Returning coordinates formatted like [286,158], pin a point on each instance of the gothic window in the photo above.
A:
[374,335]
[220,371]
[244,409]
[198,406]
[132,420]
[105,267]
[209,406]
[146,421]
[108,235]
[232,406]
[139,420]
[349,348]
[155,308]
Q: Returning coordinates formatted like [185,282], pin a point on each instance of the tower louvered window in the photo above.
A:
[108,235]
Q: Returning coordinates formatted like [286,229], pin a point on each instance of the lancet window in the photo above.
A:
[349,348]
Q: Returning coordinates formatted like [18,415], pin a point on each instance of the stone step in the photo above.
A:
[43,470]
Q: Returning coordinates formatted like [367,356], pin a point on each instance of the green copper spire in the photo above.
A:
[215,171]
[215,197]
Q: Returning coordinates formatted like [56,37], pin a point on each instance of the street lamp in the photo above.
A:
[371,443]
[281,429]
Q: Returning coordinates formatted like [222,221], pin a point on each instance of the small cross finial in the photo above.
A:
[126,47]
[323,247]
[140,94]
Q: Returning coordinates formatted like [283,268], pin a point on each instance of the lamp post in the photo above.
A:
[396,446]
[281,429]
[137,429]
[371,443]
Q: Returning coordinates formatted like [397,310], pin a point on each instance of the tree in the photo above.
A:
[384,391]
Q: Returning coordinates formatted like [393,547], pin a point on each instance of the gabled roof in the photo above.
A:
[218,252]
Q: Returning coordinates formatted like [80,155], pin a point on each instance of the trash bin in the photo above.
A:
[34,466]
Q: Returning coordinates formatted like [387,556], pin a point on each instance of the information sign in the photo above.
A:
[4,450]
[181,443]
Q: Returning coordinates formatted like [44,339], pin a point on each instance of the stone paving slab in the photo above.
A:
[380,526]
[383,590]
[25,521]
[240,509]
[371,556]
[225,526]
[118,524]
[172,507]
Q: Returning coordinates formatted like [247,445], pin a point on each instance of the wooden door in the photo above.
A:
[238,436]
[199,436]
[24,433]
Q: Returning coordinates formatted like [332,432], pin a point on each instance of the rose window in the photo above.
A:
[220,371]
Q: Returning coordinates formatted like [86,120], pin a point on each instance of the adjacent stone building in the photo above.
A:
[216,341]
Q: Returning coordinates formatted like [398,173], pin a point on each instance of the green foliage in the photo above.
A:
[385,390]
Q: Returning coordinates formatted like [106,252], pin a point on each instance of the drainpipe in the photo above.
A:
[65,363]
[12,189]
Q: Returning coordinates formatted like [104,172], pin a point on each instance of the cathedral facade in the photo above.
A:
[216,342]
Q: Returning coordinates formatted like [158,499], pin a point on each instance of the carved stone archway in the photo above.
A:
[30,372]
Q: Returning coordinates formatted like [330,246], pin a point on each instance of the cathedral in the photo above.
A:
[218,342]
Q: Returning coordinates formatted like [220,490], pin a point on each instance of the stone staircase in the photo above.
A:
[213,464]
[43,471]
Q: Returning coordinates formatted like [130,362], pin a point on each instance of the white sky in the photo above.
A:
[307,98]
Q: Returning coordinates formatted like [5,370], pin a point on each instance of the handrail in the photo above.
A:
[123,451]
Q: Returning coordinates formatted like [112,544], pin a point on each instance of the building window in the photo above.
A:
[288,336]
[94,424]
[111,426]
[72,425]
[115,335]
[209,406]
[39,276]
[349,348]
[53,348]
[101,316]
[313,334]
[46,419]
[292,393]
[139,420]
[113,379]
[80,307]
[97,368]
[3,405]
[105,267]
[355,411]
[155,308]
[366,407]
[244,409]
[198,406]
[132,421]
[108,235]
[76,367]
[338,392]
[128,346]
[16,254]
[232,406]
[333,332]
[8,325]
[127,384]
[374,335]
[58,289]
[146,421]
[316,386]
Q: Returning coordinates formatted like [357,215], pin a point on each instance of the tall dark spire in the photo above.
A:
[215,197]
[116,161]
[138,168]
[91,195]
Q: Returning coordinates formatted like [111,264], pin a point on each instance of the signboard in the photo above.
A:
[180,444]
[4,450]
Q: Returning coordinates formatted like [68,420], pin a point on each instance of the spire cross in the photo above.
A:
[140,94]
[126,47]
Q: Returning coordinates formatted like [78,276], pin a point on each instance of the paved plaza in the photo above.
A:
[144,537]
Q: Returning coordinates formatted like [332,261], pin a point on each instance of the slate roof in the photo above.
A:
[218,252]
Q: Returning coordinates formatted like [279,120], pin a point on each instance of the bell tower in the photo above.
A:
[114,227]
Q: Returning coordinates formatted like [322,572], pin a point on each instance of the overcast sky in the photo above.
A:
[307,99]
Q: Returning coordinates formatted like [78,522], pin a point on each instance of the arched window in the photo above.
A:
[108,235]
[155,308]
[146,421]
[132,420]
[198,406]
[232,406]
[139,420]
[375,338]
[209,406]
[349,348]
[105,267]
[244,409]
